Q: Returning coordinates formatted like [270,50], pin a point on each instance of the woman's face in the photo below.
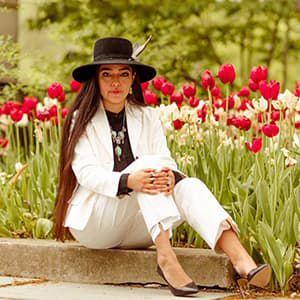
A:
[115,82]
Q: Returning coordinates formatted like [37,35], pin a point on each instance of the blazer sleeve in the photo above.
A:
[90,174]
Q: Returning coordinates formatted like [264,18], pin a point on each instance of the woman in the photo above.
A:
[119,186]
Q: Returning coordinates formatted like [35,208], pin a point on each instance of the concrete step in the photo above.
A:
[70,262]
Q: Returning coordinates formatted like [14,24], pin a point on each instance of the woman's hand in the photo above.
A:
[151,181]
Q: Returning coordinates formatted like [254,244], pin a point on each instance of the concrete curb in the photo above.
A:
[52,260]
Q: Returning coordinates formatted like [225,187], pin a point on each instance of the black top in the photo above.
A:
[116,121]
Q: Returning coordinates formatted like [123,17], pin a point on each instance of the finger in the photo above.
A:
[150,191]
[149,170]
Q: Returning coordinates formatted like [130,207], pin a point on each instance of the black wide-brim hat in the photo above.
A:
[113,50]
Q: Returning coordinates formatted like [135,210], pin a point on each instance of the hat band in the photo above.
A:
[104,57]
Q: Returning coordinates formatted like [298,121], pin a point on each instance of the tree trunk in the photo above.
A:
[285,54]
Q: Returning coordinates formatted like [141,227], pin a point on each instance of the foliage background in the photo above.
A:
[188,36]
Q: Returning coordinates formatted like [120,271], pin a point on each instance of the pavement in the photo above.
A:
[14,288]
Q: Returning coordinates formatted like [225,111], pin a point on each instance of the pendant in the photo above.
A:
[118,151]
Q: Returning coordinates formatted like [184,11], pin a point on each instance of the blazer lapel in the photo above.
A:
[102,130]
[134,125]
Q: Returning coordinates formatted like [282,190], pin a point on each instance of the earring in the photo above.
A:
[130,91]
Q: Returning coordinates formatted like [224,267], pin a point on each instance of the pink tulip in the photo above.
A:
[258,74]
[270,130]
[207,80]
[226,73]
[253,86]
[157,82]
[150,98]
[193,102]
[54,90]
[74,86]
[177,124]
[256,145]
[176,98]
[16,115]
[244,92]
[189,90]
[269,90]
[167,88]
[144,86]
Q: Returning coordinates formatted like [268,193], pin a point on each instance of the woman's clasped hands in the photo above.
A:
[152,181]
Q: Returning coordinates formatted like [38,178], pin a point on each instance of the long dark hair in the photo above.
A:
[85,104]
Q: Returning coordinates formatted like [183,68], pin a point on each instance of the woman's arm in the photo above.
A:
[90,173]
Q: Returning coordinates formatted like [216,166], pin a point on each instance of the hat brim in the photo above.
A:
[86,72]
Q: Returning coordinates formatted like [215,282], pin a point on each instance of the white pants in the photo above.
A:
[132,222]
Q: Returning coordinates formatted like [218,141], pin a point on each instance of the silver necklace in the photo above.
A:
[118,138]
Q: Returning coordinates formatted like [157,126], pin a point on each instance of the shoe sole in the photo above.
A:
[262,278]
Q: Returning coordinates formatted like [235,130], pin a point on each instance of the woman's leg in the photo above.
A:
[168,262]
[232,247]
[202,211]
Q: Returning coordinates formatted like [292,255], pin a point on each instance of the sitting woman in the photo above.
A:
[119,186]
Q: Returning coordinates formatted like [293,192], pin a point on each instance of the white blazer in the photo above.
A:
[93,160]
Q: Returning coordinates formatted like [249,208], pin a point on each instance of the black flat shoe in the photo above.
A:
[188,289]
[259,276]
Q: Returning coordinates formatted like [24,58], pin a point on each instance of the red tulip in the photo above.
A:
[230,103]
[242,123]
[74,86]
[54,90]
[270,130]
[256,145]
[189,90]
[167,88]
[253,86]
[150,98]
[43,116]
[29,103]
[215,92]
[226,73]
[297,85]
[297,92]
[193,102]
[177,98]
[53,111]
[244,92]
[258,74]
[16,115]
[297,124]
[243,105]
[275,115]
[64,112]
[157,82]
[269,90]
[207,80]
[3,142]
[202,113]
[144,86]
[61,97]
[177,124]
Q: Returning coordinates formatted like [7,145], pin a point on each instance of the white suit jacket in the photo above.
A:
[93,160]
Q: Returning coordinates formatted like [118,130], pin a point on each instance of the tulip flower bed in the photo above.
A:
[243,145]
